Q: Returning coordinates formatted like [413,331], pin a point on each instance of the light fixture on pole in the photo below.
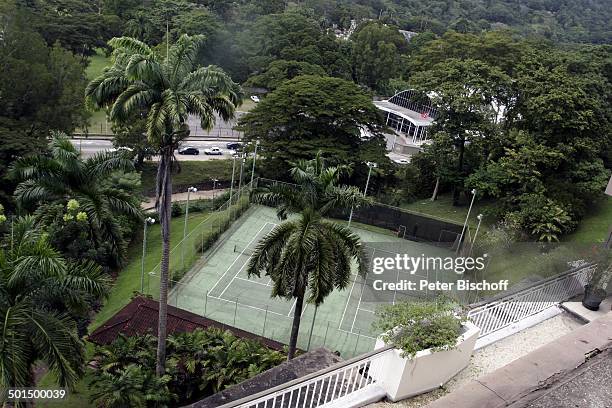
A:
[479,217]
[189,191]
[147,221]
[466,220]
[371,165]
[254,160]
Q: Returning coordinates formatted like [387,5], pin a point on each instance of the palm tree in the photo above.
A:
[309,256]
[39,292]
[168,89]
[64,175]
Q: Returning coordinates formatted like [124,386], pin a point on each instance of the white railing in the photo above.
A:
[510,309]
[327,386]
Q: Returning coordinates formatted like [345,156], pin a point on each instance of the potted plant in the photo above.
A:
[595,291]
[433,341]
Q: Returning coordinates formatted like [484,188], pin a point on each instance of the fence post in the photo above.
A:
[235,311]
[325,338]
[263,333]
[205,302]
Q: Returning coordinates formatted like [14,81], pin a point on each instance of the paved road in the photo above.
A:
[89,147]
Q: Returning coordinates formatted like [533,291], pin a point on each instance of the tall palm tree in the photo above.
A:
[168,89]
[308,257]
[64,175]
[39,292]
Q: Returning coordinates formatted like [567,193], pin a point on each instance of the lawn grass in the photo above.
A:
[128,280]
[594,227]
[97,121]
[443,208]
[192,172]
[247,105]
[97,63]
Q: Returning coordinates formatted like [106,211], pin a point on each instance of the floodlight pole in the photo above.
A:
[233,172]
[254,159]
[466,220]
[240,179]
[371,165]
[189,191]
[479,217]
[147,221]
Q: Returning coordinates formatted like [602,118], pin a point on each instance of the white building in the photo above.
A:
[408,114]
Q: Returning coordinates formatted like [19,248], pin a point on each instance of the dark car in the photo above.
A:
[234,146]
[189,150]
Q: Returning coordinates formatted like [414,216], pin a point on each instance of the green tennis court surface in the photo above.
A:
[219,288]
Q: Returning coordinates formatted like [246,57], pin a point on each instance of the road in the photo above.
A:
[89,147]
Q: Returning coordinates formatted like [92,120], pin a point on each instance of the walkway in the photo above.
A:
[495,356]
[149,202]
[551,376]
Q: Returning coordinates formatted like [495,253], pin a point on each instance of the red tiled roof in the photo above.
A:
[140,317]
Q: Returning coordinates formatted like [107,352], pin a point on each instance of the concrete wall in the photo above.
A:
[405,377]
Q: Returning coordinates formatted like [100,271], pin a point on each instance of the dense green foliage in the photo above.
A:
[48,182]
[200,363]
[41,88]
[42,295]
[310,114]
[526,124]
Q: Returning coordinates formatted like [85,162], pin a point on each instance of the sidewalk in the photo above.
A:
[561,365]
[149,202]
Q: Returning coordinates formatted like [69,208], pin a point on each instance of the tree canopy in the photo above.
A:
[309,114]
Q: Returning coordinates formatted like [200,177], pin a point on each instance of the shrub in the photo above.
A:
[199,364]
[416,326]
[177,210]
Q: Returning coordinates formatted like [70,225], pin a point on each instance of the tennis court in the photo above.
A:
[218,287]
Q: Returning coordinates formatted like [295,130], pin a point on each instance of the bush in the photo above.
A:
[199,364]
[177,210]
[416,326]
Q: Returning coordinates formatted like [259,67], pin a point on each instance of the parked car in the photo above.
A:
[255,98]
[234,146]
[189,150]
[213,151]
[401,161]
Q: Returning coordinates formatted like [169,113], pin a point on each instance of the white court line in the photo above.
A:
[357,334]
[347,303]
[292,306]
[359,303]
[365,281]
[249,306]
[366,310]
[235,260]
[248,280]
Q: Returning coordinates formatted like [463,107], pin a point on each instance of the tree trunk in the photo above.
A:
[295,327]
[434,196]
[458,187]
[164,195]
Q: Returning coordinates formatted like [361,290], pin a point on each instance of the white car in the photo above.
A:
[401,161]
[213,151]
[255,98]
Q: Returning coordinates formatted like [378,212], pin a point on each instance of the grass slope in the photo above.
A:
[192,172]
